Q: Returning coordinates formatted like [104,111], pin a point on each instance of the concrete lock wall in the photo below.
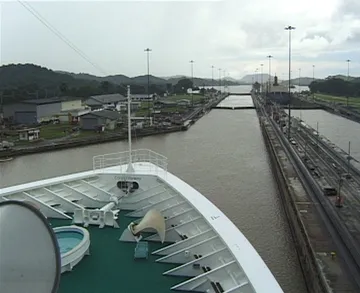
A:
[314,279]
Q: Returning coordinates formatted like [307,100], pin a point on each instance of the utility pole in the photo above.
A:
[224,83]
[192,80]
[313,80]
[261,88]
[347,92]
[338,202]
[147,50]
[269,56]
[317,134]
[289,28]
[220,79]
[212,76]
[348,161]
[269,87]
[299,93]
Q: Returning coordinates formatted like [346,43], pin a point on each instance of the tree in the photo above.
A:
[183,85]
[105,85]
[63,88]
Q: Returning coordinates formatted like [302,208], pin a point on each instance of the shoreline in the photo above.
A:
[80,142]
[72,143]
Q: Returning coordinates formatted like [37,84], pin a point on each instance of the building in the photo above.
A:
[29,134]
[144,97]
[34,111]
[105,101]
[123,106]
[105,119]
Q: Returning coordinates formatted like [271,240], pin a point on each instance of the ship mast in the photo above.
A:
[130,168]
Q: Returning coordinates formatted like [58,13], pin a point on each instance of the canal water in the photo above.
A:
[336,128]
[237,101]
[224,157]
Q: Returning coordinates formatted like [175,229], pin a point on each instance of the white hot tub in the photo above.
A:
[74,244]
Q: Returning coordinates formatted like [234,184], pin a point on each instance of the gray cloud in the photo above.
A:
[231,34]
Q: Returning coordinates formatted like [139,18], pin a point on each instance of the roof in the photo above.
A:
[49,100]
[141,96]
[104,99]
[112,115]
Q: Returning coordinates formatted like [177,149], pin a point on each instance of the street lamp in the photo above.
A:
[220,79]
[299,94]
[269,56]
[289,28]
[269,88]
[348,161]
[261,77]
[224,70]
[313,80]
[147,50]
[347,93]
[192,80]
[212,76]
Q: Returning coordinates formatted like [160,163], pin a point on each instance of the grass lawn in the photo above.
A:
[197,97]
[355,102]
[52,131]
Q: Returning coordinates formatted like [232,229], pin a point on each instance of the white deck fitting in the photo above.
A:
[233,262]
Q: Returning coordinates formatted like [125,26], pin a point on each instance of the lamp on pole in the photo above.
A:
[347,93]
[224,83]
[348,161]
[212,76]
[313,80]
[299,93]
[147,50]
[261,78]
[192,81]
[289,28]
[269,56]
[220,79]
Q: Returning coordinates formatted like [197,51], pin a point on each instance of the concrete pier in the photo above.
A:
[317,249]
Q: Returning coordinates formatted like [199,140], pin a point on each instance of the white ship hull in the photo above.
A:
[194,226]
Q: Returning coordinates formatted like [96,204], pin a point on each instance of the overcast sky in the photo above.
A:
[235,35]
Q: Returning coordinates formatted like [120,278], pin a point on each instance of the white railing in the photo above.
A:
[121,159]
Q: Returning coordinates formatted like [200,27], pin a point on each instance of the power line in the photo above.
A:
[33,11]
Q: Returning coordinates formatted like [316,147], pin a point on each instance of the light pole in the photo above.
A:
[212,76]
[220,79]
[289,28]
[269,87]
[269,56]
[347,93]
[299,93]
[261,78]
[147,50]
[192,81]
[313,80]
[224,83]
[348,162]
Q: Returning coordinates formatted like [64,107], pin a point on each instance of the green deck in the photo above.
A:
[111,266]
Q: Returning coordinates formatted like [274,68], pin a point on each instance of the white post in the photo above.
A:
[130,168]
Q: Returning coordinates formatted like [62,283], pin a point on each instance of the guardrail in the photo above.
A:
[122,159]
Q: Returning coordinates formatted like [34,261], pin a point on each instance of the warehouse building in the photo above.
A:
[33,111]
